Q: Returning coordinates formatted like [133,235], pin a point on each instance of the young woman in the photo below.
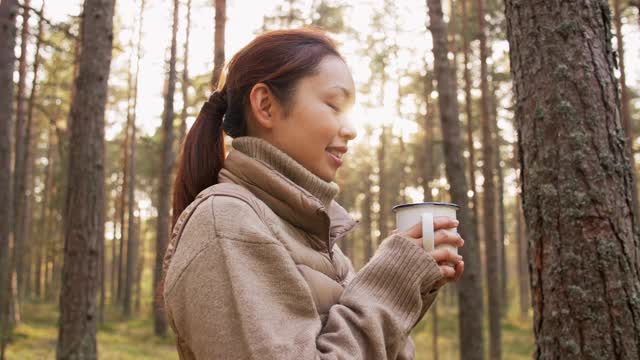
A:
[252,270]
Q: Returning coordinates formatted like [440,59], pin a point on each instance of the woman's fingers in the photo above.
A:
[444,222]
[459,271]
[444,255]
[448,236]
[415,231]
[447,271]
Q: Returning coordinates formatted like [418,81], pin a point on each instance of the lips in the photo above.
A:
[337,151]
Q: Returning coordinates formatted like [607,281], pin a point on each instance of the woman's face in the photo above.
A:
[316,131]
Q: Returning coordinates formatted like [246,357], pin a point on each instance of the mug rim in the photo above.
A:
[436,203]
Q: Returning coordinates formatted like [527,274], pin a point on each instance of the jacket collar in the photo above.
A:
[289,189]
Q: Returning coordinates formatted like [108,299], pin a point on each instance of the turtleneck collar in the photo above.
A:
[270,155]
[288,188]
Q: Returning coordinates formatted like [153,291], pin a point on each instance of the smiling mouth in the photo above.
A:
[336,153]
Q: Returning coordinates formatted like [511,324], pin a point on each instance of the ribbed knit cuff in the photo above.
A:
[398,277]
[272,156]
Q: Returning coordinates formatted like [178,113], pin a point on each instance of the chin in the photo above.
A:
[326,176]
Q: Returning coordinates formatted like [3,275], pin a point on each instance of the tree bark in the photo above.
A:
[20,164]
[577,181]
[521,246]
[489,196]
[34,246]
[8,13]
[469,115]
[85,195]
[218,46]
[186,83]
[41,262]
[627,124]
[501,222]
[469,303]
[132,245]
[167,162]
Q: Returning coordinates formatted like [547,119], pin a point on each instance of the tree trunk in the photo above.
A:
[489,196]
[85,195]
[500,224]
[8,13]
[469,116]
[627,124]
[140,262]
[114,253]
[469,303]
[577,181]
[218,46]
[132,245]
[41,261]
[521,246]
[186,83]
[20,165]
[122,206]
[160,322]
[33,246]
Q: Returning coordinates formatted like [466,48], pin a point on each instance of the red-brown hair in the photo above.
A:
[278,59]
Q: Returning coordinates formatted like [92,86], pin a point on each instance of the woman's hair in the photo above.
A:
[278,59]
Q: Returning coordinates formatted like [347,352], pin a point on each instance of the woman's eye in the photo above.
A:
[333,107]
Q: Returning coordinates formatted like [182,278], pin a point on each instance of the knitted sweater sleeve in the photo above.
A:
[242,297]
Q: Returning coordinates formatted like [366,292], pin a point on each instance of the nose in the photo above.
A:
[348,131]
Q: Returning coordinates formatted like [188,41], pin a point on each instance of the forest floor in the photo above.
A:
[122,339]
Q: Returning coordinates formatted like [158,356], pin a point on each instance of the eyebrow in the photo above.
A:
[346,92]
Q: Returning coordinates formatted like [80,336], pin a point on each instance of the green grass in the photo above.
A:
[517,335]
[121,339]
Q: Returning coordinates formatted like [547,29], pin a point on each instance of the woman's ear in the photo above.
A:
[262,102]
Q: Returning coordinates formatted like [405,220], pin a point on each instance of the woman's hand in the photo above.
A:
[442,226]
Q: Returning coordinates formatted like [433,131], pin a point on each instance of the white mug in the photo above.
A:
[408,215]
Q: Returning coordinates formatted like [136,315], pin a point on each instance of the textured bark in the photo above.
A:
[167,163]
[522,247]
[489,195]
[8,13]
[627,124]
[20,163]
[469,303]
[500,223]
[41,262]
[140,262]
[124,189]
[218,45]
[186,83]
[469,114]
[33,245]
[132,245]
[84,198]
[114,252]
[576,178]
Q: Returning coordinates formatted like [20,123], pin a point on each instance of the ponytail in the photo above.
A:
[202,155]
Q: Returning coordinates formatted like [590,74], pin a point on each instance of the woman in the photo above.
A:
[253,270]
